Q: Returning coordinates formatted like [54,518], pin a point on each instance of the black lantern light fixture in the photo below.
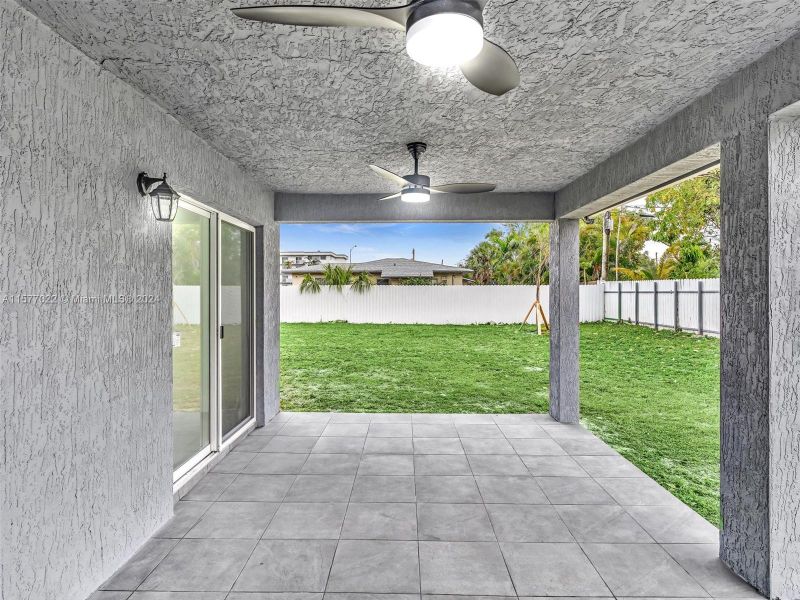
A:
[163,199]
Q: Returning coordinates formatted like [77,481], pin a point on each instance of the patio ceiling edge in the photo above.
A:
[689,141]
[494,207]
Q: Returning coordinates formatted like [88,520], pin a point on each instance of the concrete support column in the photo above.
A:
[760,357]
[784,358]
[744,356]
[267,321]
[564,321]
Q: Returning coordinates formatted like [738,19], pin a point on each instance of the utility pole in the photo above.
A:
[616,248]
[608,225]
[644,214]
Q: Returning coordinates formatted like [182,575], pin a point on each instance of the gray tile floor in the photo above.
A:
[351,506]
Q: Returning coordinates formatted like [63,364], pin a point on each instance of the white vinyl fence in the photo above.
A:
[691,303]
[431,304]
[686,304]
[186,304]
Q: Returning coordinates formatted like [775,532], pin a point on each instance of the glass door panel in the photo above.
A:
[191,335]
[236,325]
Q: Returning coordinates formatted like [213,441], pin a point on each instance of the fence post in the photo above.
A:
[700,308]
[655,304]
[636,302]
[677,303]
[619,302]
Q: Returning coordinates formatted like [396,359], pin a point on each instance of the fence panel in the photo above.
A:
[694,302]
[457,305]
[463,305]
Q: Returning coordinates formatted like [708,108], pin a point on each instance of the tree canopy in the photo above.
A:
[686,219]
[517,253]
[688,222]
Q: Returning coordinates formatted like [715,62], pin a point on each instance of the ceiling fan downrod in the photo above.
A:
[416,149]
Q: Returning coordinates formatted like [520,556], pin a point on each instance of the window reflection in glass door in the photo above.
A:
[236,325]
[191,335]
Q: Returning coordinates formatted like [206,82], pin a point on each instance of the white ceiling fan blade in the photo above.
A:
[327,16]
[492,71]
[389,197]
[393,177]
[463,188]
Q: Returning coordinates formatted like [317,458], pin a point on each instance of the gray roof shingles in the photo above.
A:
[389,267]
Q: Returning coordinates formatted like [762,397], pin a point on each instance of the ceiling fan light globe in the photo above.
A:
[415,195]
[444,39]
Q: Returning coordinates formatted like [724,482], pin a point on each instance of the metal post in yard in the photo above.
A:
[677,304]
[636,302]
[655,304]
[619,302]
[700,308]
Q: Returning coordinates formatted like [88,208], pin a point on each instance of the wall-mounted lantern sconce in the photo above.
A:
[163,198]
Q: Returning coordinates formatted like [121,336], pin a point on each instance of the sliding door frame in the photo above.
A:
[217,442]
[236,432]
[211,447]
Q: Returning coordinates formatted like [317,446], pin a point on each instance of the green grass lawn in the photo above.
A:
[654,396]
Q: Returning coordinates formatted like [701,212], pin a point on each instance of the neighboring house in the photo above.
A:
[302,258]
[392,271]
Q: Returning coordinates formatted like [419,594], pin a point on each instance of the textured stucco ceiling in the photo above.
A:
[306,109]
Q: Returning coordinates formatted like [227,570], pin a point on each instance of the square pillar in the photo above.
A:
[564,321]
[268,321]
[744,356]
[784,358]
[760,356]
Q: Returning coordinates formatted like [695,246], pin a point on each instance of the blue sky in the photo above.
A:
[433,242]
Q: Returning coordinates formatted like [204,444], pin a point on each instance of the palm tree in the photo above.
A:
[481,261]
[361,283]
[336,276]
[309,284]
[661,269]
[506,246]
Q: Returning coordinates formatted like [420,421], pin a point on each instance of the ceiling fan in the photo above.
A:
[417,188]
[438,33]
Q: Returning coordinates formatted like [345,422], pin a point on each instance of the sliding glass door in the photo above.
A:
[191,334]
[212,332]
[236,324]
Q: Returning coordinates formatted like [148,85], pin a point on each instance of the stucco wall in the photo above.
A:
[85,427]
[784,309]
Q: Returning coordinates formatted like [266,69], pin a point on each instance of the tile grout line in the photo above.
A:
[494,532]
[263,533]
[416,511]
[684,569]
[346,512]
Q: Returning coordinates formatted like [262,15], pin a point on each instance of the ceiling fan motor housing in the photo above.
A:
[418,180]
[429,8]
